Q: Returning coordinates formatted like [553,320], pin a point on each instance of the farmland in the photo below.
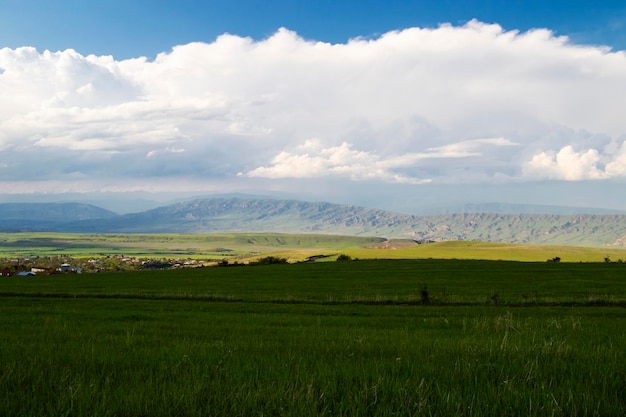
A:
[242,247]
[367,337]
[163,245]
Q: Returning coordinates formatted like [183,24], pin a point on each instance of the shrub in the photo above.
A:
[270,260]
[343,257]
[425,295]
[495,299]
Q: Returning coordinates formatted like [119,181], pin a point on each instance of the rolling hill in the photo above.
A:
[210,215]
[47,216]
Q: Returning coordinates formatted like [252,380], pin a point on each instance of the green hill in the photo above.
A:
[288,216]
[47,216]
[249,215]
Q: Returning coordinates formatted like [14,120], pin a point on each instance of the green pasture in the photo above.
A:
[318,339]
[244,247]
[492,251]
[173,245]
[366,281]
[104,357]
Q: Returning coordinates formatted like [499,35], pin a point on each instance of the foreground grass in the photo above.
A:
[159,358]
[341,338]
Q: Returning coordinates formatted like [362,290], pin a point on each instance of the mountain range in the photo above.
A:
[227,214]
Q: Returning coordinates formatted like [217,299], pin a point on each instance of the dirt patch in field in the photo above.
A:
[393,244]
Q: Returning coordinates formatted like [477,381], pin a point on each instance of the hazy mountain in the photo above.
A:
[209,215]
[255,215]
[47,216]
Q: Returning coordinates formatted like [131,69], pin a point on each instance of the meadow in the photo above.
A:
[216,245]
[244,247]
[368,337]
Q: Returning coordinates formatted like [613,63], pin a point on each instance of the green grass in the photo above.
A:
[168,245]
[492,251]
[243,247]
[367,281]
[158,358]
[321,339]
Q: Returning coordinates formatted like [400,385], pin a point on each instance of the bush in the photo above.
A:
[425,295]
[269,260]
[495,299]
[343,257]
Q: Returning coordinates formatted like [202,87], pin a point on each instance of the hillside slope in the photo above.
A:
[255,215]
[288,216]
[47,216]
[579,230]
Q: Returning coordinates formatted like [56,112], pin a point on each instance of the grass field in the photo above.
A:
[295,247]
[334,338]
[365,281]
[169,245]
[493,251]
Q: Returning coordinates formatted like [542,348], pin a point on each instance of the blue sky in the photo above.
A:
[134,28]
[394,104]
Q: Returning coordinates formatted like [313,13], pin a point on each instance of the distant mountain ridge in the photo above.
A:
[253,215]
[211,215]
[47,216]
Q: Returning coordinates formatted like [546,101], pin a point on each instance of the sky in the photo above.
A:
[392,104]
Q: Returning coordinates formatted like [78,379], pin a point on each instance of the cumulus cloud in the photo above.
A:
[410,106]
[571,165]
[339,160]
[566,164]
[315,161]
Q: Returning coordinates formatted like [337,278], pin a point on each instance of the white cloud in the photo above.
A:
[340,160]
[571,165]
[410,106]
[345,161]
[566,164]
[465,149]
[617,166]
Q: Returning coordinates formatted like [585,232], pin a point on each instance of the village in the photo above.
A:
[51,265]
